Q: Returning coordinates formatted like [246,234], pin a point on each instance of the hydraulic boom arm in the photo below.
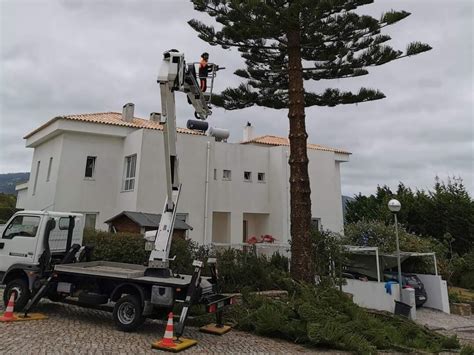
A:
[173,76]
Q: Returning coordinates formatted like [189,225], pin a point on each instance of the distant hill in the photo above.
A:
[9,181]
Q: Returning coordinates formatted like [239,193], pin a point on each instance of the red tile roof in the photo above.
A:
[111,118]
[282,141]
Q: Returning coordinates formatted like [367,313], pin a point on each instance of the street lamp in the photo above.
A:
[394,206]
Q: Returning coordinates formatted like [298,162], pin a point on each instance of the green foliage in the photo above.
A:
[445,213]
[417,47]
[334,41]
[466,280]
[323,316]
[329,256]
[467,350]
[121,247]
[7,207]
[454,297]
[237,269]
[378,234]
[463,274]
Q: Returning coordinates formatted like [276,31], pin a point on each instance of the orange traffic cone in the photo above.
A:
[168,337]
[167,343]
[8,315]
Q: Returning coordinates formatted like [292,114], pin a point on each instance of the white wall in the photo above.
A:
[325,189]
[437,292]
[132,145]
[21,198]
[76,193]
[279,196]
[221,227]
[372,294]
[192,152]
[44,196]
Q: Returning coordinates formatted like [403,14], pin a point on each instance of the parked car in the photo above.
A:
[410,281]
[354,275]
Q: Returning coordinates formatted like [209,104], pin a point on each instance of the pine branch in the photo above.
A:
[334,97]
[417,48]
[391,17]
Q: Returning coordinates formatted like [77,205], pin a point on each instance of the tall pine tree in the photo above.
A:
[275,37]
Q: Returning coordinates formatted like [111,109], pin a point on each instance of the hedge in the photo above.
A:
[237,269]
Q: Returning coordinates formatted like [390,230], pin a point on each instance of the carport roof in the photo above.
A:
[369,250]
[151,220]
[383,260]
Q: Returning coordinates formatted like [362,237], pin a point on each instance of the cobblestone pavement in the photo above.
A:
[448,324]
[75,330]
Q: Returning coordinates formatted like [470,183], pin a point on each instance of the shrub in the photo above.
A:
[237,269]
[467,350]
[120,247]
[377,234]
[454,297]
[329,256]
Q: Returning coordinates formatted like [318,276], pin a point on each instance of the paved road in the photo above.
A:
[448,324]
[75,330]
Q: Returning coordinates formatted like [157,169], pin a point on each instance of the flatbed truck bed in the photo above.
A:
[113,270]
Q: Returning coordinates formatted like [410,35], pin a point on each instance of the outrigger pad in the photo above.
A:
[213,328]
[17,317]
[179,345]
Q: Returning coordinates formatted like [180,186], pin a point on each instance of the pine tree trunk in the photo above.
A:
[300,191]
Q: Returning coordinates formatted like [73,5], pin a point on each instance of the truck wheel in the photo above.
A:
[20,287]
[128,313]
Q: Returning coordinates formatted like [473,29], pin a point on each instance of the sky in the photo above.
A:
[62,57]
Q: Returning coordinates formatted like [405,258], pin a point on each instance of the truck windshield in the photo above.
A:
[22,226]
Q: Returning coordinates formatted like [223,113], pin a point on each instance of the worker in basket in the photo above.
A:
[204,69]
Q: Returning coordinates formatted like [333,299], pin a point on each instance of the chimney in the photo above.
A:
[127,112]
[248,132]
[155,117]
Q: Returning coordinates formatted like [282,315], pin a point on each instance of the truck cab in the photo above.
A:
[22,244]
[22,237]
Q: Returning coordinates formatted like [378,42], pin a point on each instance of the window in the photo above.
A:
[90,220]
[90,167]
[63,223]
[215,174]
[316,223]
[49,169]
[226,175]
[261,177]
[22,226]
[248,176]
[36,176]
[129,175]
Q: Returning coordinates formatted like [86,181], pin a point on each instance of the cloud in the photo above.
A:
[78,56]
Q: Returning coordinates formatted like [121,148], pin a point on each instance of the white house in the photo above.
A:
[101,164]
